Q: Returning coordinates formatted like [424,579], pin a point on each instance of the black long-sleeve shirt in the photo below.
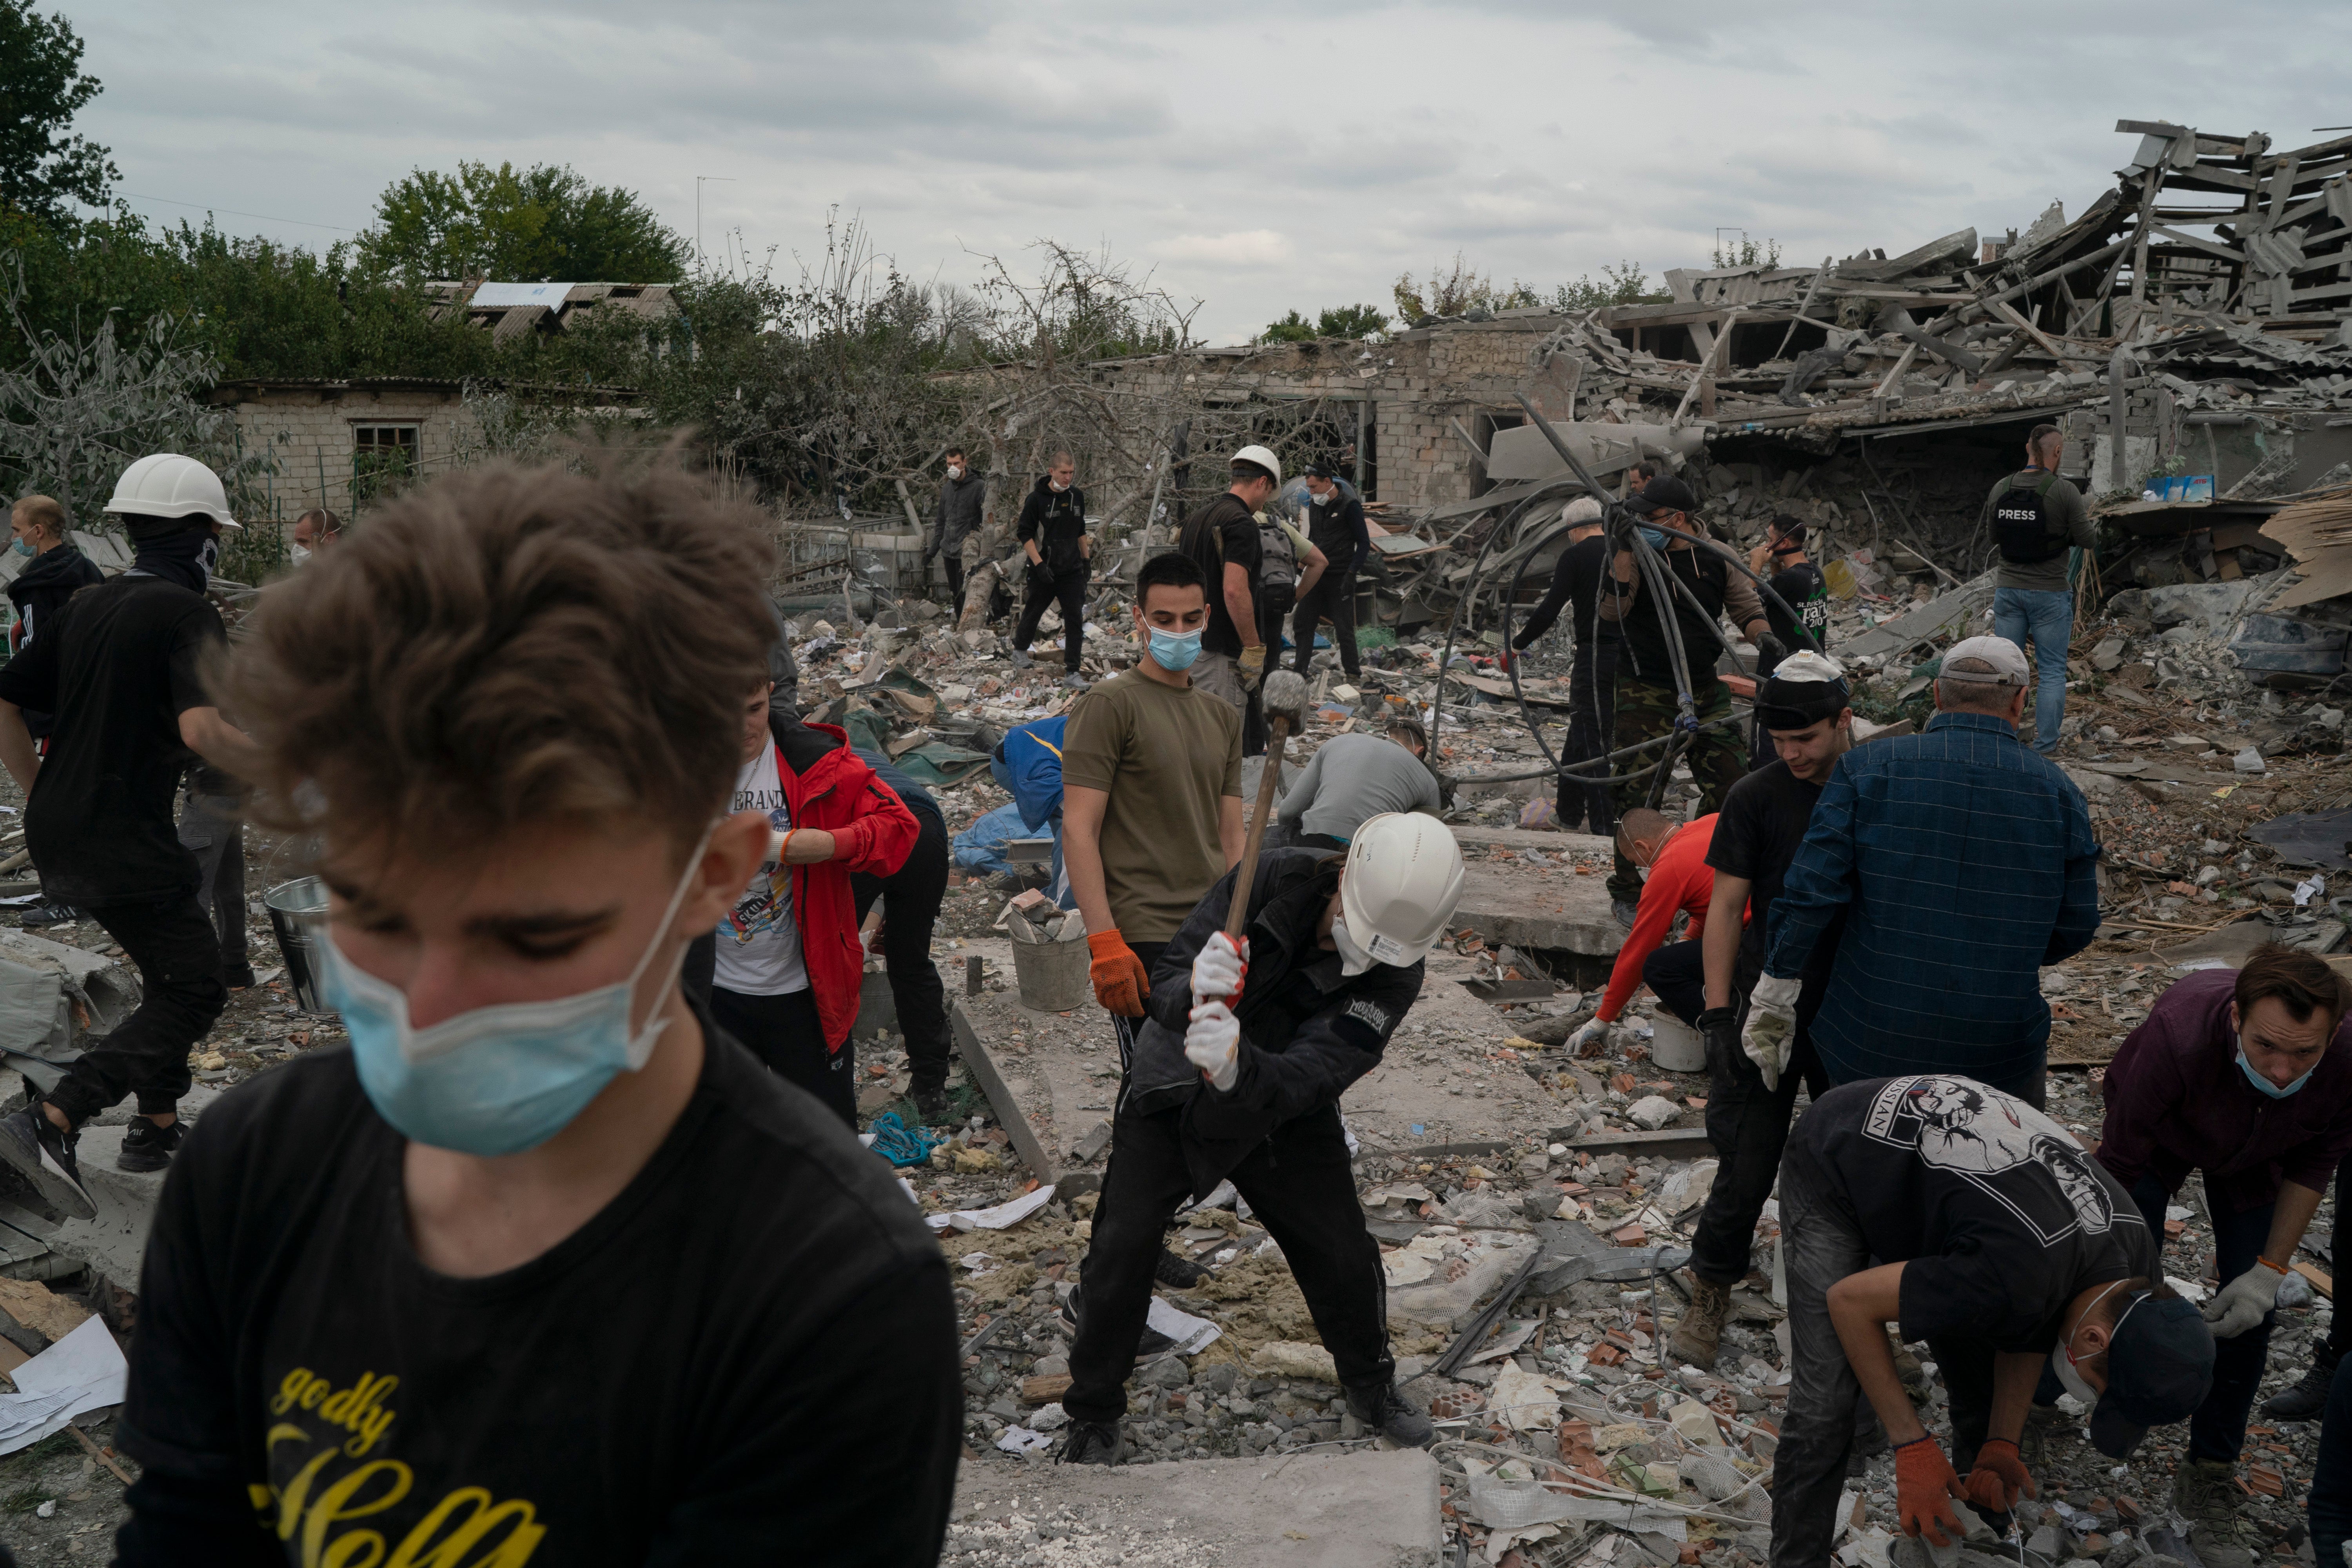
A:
[1575,580]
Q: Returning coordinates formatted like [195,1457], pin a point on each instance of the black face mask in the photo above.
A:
[174,549]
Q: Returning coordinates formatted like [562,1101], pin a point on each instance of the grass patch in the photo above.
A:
[25,1501]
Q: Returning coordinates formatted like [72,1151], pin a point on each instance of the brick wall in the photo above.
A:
[310,432]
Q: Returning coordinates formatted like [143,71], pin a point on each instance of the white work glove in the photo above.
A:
[1771,1021]
[1212,1043]
[2239,1305]
[1217,971]
[1592,1036]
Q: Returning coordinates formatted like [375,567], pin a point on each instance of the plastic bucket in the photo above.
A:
[1676,1047]
[1053,977]
[287,903]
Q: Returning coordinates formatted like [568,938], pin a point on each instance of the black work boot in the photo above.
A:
[1093,1443]
[1380,1407]
[2308,1396]
[147,1147]
[930,1103]
[1176,1271]
[30,1142]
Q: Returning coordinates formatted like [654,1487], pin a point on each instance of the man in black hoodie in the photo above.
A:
[53,568]
[963,495]
[119,666]
[1236,1073]
[1053,534]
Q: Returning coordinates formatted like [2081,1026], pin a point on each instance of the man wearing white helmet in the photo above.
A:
[1222,537]
[1236,1075]
[118,666]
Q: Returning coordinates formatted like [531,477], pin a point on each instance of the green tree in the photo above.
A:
[1623,284]
[545,223]
[1457,293]
[41,90]
[1345,321]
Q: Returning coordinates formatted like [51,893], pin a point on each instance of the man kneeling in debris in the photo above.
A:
[1671,858]
[543,1266]
[1238,1080]
[2006,1247]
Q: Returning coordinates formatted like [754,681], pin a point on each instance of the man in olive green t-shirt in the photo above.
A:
[1151,790]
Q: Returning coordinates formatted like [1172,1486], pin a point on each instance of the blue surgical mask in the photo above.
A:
[1654,537]
[498,1079]
[2265,1085]
[26,550]
[1173,651]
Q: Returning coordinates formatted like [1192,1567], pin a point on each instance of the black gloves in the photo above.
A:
[1769,651]
[1720,1026]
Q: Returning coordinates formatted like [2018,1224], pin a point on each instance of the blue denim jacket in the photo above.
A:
[1963,863]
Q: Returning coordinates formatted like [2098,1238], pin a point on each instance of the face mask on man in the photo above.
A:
[298,554]
[25,548]
[1353,958]
[1323,497]
[1175,651]
[2061,1355]
[955,470]
[2265,1085]
[1059,487]
[501,1078]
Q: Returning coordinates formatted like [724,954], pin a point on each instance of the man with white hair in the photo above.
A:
[1592,709]
[1962,863]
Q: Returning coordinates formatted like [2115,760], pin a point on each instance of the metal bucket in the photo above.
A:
[1053,977]
[287,903]
[1675,1046]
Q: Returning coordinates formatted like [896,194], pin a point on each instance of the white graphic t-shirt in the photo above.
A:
[758,942]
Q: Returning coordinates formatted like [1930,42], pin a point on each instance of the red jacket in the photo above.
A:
[828,786]
[1682,879]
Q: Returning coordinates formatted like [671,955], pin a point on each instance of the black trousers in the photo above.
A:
[1592,721]
[953,561]
[1303,1190]
[910,907]
[177,954]
[783,1032]
[213,828]
[1070,590]
[1273,604]
[1676,971]
[1333,599]
[1748,1125]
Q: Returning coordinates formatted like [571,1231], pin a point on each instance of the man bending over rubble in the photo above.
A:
[1801,709]
[543,1268]
[2002,1244]
[1237,1074]
[1671,858]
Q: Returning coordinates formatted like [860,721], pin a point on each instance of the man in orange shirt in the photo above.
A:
[1672,859]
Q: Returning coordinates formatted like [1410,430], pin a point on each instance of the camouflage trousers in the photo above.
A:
[1716,758]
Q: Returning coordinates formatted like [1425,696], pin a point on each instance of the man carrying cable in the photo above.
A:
[1592,679]
[1236,1075]
[1802,708]
[1978,1225]
[1647,704]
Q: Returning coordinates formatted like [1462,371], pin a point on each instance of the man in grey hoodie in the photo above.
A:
[962,496]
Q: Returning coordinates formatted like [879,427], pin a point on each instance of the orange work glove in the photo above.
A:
[1121,980]
[1925,1483]
[1999,1478]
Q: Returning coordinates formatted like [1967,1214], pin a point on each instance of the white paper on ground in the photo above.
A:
[20,899]
[83,1370]
[1505,1505]
[1000,1217]
[1191,1334]
[1021,1440]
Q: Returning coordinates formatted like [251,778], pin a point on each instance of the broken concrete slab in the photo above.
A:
[1539,907]
[1305,1510]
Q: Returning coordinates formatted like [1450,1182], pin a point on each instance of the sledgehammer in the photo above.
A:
[1284,700]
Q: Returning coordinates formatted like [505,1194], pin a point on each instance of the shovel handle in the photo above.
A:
[1237,915]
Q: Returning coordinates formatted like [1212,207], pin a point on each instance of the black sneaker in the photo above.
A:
[238,977]
[1176,1271]
[2308,1396]
[42,916]
[930,1103]
[1093,1443]
[1623,911]
[147,1147]
[1382,1409]
[31,1142]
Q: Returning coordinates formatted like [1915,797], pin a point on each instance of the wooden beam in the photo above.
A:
[977,1062]
[2045,339]
[1910,353]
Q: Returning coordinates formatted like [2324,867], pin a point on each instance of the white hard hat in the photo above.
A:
[1262,459]
[1403,879]
[168,485]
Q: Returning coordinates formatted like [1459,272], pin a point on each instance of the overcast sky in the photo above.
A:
[1258,156]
